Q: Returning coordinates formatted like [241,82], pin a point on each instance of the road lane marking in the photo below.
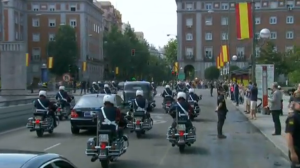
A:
[164,156]
[53,146]
[12,130]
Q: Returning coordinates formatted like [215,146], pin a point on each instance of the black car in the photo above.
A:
[28,159]
[81,117]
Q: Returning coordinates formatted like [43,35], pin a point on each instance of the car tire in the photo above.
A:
[75,130]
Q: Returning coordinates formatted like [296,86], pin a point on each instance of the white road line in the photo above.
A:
[12,130]
[53,146]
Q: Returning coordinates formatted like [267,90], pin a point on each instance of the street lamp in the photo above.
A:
[264,34]
[234,58]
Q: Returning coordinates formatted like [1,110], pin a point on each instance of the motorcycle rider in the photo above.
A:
[140,103]
[183,108]
[94,88]
[193,97]
[42,103]
[167,94]
[110,117]
[153,88]
[62,96]
[187,85]
[106,89]
[114,85]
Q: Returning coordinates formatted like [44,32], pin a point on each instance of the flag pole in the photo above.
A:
[254,40]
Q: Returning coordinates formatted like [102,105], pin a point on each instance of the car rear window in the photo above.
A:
[136,87]
[89,102]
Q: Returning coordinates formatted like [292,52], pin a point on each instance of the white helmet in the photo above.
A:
[99,81]
[112,81]
[181,95]
[106,86]
[61,88]
[43,93]
[187,84]
[94,83]
[191,90]
[139,93]
[108,99]
[152,82]
[167,86]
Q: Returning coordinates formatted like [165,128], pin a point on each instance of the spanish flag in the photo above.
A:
[50,62]
[221,60]
[218,62]
[225,53]
[27,59]
[244,20]
[84,66]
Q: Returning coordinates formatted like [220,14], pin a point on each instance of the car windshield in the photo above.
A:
[143,87]
[89,102]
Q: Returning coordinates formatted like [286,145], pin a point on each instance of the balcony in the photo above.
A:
[189,57]
[241,57]
[209,58]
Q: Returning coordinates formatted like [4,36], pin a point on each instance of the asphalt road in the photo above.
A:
[244,146]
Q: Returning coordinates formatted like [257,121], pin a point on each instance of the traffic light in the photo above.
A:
[133,52]
[173,72]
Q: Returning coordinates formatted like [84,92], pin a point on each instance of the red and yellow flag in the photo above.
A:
[218,62]
[50,62]
[221,60]
[244,20]
[27,60]
[84,66]
[225,53]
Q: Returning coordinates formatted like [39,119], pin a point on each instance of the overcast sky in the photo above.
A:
[156,18]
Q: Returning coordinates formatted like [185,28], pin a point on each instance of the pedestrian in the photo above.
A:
[292,131]
[236,93]
[83,87]
[275,108]
[211,89]
[281,112]
[253,101]
[221,111]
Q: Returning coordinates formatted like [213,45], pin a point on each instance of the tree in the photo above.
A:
[63,49]
[212,73]
[293,59]
[268,55]
[171,51]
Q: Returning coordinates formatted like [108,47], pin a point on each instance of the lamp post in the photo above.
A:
[264,34]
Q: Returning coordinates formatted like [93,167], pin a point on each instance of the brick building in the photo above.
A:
[203,26]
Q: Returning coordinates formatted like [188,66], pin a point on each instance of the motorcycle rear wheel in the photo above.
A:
[39,133]
[181,148]
[105,163]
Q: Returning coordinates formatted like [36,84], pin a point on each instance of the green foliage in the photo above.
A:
[171,51]
[234,68]
[294,77]
[212,73]
[144,65]
[268,55]
[293,60]
[63,49]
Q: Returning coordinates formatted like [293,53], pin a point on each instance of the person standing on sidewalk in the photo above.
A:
[253,101]
[275,108]
[292,131]
[248,98]
[236,93]
[221,111]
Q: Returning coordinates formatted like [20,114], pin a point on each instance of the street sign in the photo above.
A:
[181,76]
[66,77]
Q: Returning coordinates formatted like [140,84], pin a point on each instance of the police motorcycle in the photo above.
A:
[169,99]
[196,108]
[41,121]
[138,122]
[107,145]
[180,135]
[64,112]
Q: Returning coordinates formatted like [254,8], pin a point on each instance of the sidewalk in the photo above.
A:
[266,126]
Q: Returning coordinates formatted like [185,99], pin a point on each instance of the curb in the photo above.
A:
[283,151]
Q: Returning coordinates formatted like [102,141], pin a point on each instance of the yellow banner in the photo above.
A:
[50,62]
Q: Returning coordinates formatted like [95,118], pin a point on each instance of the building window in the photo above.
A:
[36,37]
[73,23]
[36,54]
[16,20]
[257,51]
[189,22]
[273,5]
[224,6]
[17,36]
[240,52]
[208,6]
[35,22]
[273,20]
[52,7]
[189,6]
[224,36]
[289,49]
[73,7]
[189,53]
[208,21]
[273,35]
[257,20]
[35,7]
[52,22]
[224,21]
[51,37]
[289,35]
[208,36]
[257,5]
[189,37]
[290,19]
[208,52]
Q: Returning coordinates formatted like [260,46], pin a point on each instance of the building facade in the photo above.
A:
[37,22]
[203,26]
